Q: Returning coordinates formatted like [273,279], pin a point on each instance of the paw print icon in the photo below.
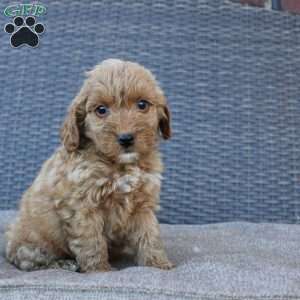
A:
[24,32]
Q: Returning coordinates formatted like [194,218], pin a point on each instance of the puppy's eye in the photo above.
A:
[102,110]
[143,105]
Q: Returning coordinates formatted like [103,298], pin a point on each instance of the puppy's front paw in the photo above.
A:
[65,264]
[161,264]
[128,183]
[105,267]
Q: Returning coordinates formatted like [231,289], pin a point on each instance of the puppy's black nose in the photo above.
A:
[126,139]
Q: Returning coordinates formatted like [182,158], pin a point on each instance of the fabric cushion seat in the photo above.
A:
[218,261]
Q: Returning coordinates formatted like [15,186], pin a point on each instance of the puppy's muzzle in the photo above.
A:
[126,140]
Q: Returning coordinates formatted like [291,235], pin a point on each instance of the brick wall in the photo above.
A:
[292,6]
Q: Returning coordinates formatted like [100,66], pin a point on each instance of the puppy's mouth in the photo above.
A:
[128,158]
[127,150]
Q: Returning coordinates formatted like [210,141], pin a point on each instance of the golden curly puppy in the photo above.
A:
[97,194]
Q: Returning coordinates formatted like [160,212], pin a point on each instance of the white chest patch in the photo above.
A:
[128,158]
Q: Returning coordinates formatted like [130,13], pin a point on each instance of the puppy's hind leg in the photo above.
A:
[28,257]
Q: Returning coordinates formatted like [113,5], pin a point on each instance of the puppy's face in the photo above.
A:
[121,109]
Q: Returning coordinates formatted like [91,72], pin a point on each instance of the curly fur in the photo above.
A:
[92,198]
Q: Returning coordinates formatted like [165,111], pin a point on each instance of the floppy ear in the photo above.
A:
[165,123]
[72,127]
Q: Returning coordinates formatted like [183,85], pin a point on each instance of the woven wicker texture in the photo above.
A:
[231,75]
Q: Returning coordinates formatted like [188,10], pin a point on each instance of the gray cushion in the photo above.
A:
[220,261]
[231,75]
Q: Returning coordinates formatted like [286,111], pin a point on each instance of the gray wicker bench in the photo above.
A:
[231,74]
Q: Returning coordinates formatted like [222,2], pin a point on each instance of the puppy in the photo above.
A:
[96,196]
